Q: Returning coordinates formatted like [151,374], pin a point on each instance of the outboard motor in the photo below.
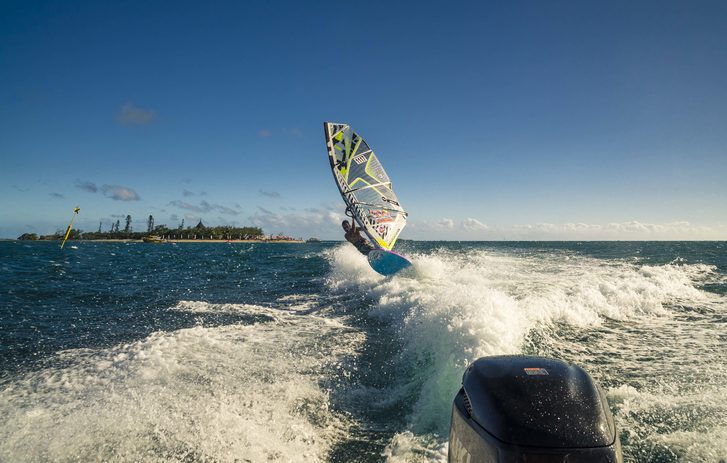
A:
[531,409]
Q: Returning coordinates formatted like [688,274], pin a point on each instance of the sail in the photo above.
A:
[364,185]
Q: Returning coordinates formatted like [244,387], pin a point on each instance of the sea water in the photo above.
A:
[300,352]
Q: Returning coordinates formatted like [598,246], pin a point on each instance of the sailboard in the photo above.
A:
[387,262]
[364,185]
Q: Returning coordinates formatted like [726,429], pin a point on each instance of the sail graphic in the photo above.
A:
[364,185]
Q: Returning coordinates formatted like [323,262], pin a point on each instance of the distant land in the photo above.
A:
[161,233]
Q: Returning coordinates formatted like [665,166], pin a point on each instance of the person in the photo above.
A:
[353,236]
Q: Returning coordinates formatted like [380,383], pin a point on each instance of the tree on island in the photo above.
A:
[199,232]
[74,234]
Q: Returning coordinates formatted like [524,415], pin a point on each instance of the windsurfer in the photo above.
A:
[353,236]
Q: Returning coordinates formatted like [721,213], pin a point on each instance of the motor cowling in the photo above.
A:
[531,409]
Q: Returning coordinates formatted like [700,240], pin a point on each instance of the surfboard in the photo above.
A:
[387,262]
[365,187]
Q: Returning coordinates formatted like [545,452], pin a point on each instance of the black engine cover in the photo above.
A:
[523,408]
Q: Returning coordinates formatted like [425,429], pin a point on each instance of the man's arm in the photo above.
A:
[353,236]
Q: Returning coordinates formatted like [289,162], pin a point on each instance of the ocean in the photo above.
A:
[258,352]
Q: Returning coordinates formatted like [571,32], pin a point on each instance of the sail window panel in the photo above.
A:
[376,170]
[363,147]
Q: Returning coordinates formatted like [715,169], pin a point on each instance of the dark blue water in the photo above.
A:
[106,293]
[299,352]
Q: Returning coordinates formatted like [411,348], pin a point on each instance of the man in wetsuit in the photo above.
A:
[353,236]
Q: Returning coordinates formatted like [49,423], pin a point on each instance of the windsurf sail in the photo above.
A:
[364,185]
[70,225]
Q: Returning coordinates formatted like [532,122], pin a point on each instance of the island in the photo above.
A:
[162,234]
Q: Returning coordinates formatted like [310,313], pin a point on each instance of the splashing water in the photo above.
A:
[614,317]
[218,353]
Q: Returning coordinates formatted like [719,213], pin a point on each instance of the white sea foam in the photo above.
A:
[299,302]
[458,306]
[207,307]
[634,409]
[291,303]
[233,393]
[406,447]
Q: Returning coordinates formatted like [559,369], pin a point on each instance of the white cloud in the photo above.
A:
[319,222]
[85,185]
[471,224]
[473,229]
[630,230]
[120,193]
[131,114]
[204,207]
[226,210]
[270,194]
[446,223]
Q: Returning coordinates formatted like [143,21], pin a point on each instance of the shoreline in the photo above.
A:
[162,242]
[229,241]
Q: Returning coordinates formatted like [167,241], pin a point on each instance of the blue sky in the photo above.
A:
[495,120]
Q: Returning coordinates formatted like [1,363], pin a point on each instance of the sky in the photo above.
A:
[495,120]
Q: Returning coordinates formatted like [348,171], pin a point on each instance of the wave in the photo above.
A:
[691,423]
[220,394]
[458,306]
